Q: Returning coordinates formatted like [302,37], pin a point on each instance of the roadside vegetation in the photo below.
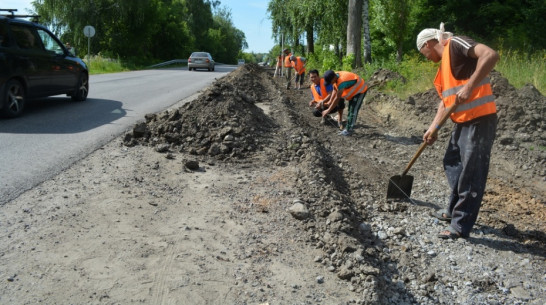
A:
[98,64]
[137,34]
[381,34]
[145,31]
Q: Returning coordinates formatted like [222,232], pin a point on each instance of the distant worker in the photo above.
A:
[298,63]
[350,87]
[321,92]
[278,68]
[70,48]
[287,67]
[462,80]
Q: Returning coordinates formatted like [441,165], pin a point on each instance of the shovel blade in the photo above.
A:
[400,187]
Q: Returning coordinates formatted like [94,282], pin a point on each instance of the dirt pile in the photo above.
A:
[223,122]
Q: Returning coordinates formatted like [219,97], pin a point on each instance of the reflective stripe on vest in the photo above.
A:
[323,92]
[359,87]
[481,101]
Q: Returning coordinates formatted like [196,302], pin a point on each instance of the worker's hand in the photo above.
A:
[430,136]
[462,95]
[312,103]
[325,113]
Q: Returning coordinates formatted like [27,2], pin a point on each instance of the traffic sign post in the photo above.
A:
[89,32]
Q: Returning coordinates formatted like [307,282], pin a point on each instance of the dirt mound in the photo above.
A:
[382,76]
[222,122]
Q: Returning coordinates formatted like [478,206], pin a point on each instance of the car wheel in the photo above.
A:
[212,68]
[14,98]
[80,94]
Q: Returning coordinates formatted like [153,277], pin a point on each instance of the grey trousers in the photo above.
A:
[289,75]
[466,164]
[354,106]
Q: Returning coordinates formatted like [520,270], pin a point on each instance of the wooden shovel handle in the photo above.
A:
[447,113]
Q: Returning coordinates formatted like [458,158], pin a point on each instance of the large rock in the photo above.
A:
[299,210]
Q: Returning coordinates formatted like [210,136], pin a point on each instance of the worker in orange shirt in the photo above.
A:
[462,81]
[352,88]
[298,63]
[320,93]
[287,67]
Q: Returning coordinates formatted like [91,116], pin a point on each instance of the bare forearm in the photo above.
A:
[487,59]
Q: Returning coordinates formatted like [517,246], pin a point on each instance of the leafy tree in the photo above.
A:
[225,41]
[512,23]
[145,29]
[392,22]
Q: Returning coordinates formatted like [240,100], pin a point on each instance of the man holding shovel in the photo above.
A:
[462,81]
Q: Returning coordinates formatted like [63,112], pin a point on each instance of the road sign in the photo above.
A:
[89,31]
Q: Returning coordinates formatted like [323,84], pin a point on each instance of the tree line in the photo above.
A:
[387,29]
[145,30]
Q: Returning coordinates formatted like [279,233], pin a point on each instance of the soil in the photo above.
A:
[242,196]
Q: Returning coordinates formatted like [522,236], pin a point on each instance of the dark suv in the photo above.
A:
[34,63]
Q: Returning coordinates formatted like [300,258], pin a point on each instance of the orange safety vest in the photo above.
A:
[298,66]
[323,93]
[279,61]
[348,93]
[287,62]
[481,101]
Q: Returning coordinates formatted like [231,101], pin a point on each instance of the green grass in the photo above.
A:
[418,73]
[521,69]
[98,64]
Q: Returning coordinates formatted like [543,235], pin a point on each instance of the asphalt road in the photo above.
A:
[55,132]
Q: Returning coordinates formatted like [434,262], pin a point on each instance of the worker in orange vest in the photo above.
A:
[287,67]
[320,93]
[352,88]
[298,63]
[462,81]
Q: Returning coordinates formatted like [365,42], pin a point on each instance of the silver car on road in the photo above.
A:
[200,60]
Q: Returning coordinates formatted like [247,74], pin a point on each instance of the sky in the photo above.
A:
[249,16]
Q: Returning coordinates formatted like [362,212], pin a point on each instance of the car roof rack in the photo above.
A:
[34,18]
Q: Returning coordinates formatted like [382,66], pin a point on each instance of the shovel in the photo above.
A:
[400,185]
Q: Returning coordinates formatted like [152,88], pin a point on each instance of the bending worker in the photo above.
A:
[462,81]
[352,88]
[298,63]
[320,93]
